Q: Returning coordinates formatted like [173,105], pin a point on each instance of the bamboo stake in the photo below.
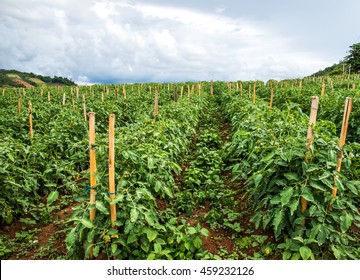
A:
[138,91]
[300,84]
[181,91]
[19,105]
[188,86]
[30,121]
[102,97]
[322,89]
[344,127]
[92,164]
[77,92]
[72,100]
[254,93]
[84,105]
[310,138]
[271,98]
[211,87]
[49,96]
[241,89]
[156,104]
[63,103]
[193,89]
[112,167]
[124,92]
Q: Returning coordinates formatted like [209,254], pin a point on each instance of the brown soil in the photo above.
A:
[43,237]
[25,84]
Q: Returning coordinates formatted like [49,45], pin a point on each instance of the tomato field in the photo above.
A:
[214,170]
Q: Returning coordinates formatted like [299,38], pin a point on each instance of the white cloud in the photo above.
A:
[122,41]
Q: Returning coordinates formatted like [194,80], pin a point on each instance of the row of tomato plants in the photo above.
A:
[56,158]
[148,154]
[268,151]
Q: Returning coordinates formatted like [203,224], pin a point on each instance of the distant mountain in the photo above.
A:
[14,78]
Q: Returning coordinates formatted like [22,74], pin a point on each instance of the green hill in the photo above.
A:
[14,78]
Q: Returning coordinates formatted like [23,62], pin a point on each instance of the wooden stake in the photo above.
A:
[254,93]
[72,100]
[322,89]
[156,104]
[188,86]
[241,89]
[112,167]
[49,96]
[92,164]
[181,91]
[271,98]
[84,105]
[344,127]
[310,138]
[63,103]
[300,84]
[211,88]
[19,105]
[124,91]
[30,121]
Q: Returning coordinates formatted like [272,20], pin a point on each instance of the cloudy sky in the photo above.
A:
[117,41]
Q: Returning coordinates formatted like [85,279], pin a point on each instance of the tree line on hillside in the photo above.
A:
[6,80]
[349,65]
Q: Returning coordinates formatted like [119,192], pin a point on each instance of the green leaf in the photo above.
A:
[52,197]
[317,185]
[286,255]
[101,207]
[132,238]
[277,219]
[204,232]
[345,221]
[157,248]
[118,197]
[197,242]
[305,252]
[307,194]
[275,199]
[286,195]
[134,214]
[291,176]
[325,175]
[338,183]
[293,205]
[151,256]
[151,234]
[168,191]
[114,247]
[191,230]
[151,163]
[96,250]
[70,238]
[149,219]
[86,223]
[257,179]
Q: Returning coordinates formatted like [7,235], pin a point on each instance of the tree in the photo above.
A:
[354,57]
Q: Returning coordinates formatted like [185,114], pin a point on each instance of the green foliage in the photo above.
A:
[271,148]
[354,57]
